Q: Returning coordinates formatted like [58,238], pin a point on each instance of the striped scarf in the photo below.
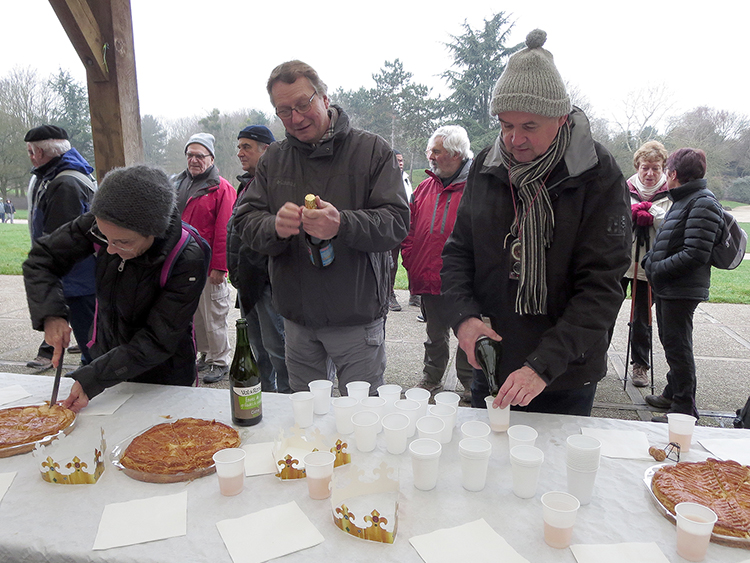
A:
[534,223]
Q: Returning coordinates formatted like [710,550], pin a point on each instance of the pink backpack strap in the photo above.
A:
[172,256]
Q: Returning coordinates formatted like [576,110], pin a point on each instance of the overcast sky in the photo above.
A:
[192,56]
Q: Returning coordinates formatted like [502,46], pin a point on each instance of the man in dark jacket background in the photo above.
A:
[61,189]
[540,244]
[336,309]
[433,214]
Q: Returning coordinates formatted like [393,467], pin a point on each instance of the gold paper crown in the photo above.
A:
[299,442]
[76,474]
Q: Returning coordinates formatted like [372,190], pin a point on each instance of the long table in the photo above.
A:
[40,521]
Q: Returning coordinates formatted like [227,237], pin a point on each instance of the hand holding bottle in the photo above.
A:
[321,222]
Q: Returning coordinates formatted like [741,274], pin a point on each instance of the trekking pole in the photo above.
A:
[632,311]
[650,321]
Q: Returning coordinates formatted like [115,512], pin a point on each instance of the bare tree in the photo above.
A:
[644,111]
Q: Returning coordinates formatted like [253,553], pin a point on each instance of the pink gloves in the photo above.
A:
[641,215]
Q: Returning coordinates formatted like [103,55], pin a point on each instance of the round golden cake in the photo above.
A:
[722,486]
[183,446]
[25,425]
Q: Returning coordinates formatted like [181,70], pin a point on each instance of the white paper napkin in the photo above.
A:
[259,459]
[476,542]
[105,403]
[277,531]
[625,444]
[142,520]
[12,393]
[619,553]
[5,480]
[729,448]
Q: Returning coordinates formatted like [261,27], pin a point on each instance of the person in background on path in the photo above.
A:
[61,189]
[393,304]
[144,325]
[10,210]
[337,309]
[679,270]
[649,203]
[541,242]
[433,214]
[205,200]
[248,272]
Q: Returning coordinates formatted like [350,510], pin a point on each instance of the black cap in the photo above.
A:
[44,132]
[259,133]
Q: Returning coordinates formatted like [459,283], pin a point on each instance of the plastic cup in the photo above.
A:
[449,398]
[343,409]
[230,469]
[583,452]
[695,523]
[373,404]
[475,458]
[395,425]
[521,435]
[366,425]
[303,403]
[425,456]
[581,484]
[559,510]
[319,470]
[321,389]
[430,427]
[391,393]
[526,463]
[475,429]
[421,396]
[681,429]
[447,413]
[499,418]
[411,409]
[358,389]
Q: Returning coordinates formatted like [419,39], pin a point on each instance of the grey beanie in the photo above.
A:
[139,198]
[205,139]
[531,82]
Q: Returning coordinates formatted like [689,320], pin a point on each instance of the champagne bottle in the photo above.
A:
[489,353]
[320,251]
[244,381]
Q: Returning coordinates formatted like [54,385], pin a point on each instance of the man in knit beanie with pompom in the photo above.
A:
[541,241]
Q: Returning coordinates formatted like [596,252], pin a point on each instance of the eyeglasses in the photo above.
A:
[97,234]
[197,155]
[286,113]
[436,152]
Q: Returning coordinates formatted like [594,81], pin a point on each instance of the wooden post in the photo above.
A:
[101,32]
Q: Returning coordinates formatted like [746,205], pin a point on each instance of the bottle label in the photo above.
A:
[326,254]
[248,398]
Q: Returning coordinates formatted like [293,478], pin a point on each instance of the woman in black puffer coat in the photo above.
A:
[679,270]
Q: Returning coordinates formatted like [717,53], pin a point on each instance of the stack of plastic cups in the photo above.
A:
[452,399]
[526,463]
[411,409]
[583,454]
[391,393]
[475,457]
[421,396]
[447,413]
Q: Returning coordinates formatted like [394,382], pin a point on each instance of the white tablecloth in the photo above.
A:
[45,522]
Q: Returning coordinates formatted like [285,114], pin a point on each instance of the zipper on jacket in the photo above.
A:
[121,267]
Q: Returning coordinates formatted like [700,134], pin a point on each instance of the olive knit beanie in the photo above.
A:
[531,82]
[139,198]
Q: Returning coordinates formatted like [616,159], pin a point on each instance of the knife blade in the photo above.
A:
[58,373]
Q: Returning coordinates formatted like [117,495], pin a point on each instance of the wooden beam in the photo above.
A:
[82,29]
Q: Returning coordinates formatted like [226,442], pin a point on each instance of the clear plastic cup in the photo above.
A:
[395,425]
[321,389]
[373,404]
[475,429]
[358,389]
[499,418]
[695,523]
[366,425]
[391,393]
[583,452]
[449,398]
[319,470]
[343,409]
[681,429]
[411,409]
[421,396]
[430,427]
[525,463]
[559,510]
[425,457]
[303,404]
[230,469]
[475,458]
[446,413]
[521,435]
[581,484]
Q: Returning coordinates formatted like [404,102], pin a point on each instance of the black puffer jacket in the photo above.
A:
[143,332]
[679,264]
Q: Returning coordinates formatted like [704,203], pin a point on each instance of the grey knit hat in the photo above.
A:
[531,82]
[139,198]
[205,139]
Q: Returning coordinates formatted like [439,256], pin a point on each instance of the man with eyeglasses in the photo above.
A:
[60,190]
[338,309]
[205,200]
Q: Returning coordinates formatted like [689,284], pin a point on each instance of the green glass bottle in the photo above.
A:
[489,353]
[244,381]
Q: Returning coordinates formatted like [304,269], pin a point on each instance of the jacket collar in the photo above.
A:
[686,189]
[341,129]
[462,176]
